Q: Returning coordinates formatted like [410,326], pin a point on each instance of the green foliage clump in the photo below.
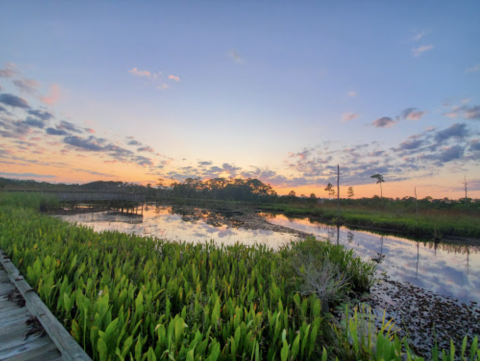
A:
[327,270]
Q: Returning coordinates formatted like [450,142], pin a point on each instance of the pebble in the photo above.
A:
[426,316]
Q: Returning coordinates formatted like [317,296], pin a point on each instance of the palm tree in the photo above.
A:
[380,180]
[350,192]
[328,189]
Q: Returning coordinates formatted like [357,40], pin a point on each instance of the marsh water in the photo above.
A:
[451,270]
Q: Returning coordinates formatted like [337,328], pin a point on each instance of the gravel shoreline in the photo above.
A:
[425,316]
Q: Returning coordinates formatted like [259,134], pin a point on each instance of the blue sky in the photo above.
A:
[276,90]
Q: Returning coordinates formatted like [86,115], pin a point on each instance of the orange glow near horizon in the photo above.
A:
[131,173]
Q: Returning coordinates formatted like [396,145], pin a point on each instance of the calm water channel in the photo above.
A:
[449,270]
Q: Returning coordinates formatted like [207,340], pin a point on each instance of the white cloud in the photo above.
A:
[137,72]
[349,116]
[419,35]
[473,69]
[9,71]
[156,78]
[421,49]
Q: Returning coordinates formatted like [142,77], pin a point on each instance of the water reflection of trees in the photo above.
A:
[219,217]
[214,218]
[452,248]
[350,236]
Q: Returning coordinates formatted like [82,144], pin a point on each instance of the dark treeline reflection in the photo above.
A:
[212,217]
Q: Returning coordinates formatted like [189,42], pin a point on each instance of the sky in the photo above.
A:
[281,91]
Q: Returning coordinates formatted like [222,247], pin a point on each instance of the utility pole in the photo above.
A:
[338,193]
[416,202]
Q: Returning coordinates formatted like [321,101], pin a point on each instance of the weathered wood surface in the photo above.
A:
[52,343]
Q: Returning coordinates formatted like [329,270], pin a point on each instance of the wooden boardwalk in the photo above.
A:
[87,196]
[28,330]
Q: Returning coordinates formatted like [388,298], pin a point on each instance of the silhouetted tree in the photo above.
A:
[350,192]
[380,180]
[160,182]
[328,189]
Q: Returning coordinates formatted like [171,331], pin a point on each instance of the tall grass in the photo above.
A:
[429,224]
[124,297]
[37,201]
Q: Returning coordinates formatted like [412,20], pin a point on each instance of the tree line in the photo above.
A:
[245,190]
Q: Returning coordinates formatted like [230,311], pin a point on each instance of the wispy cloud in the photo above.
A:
[383,122]
[53,131]
[53,96]
[146,149]
[42,114]
[464,111]
[472,112]
[35,122]
[346,117]
[91,143]
[419,35]
[28,86]
[412,114]
[425,153]
[9,71]
[26,175]
[473,69]
[69,126]
[138,72]
[204,163]
[352,94]
[134,142]
[155,78]
[93,172]
[419,50]
[235,56]
[13,101]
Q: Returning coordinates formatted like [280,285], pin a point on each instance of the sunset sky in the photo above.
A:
[276,90]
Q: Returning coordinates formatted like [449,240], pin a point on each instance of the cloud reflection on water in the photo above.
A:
[443,269]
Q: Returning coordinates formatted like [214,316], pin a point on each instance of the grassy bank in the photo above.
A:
[429,224]
[132,298]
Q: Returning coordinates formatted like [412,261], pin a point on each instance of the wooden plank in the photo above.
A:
[5,289]
[68,347]
[33,345]
[48,352]
[22,327]
[8,307]
[13,315]
[4,300]
[16,339]
[11,321]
